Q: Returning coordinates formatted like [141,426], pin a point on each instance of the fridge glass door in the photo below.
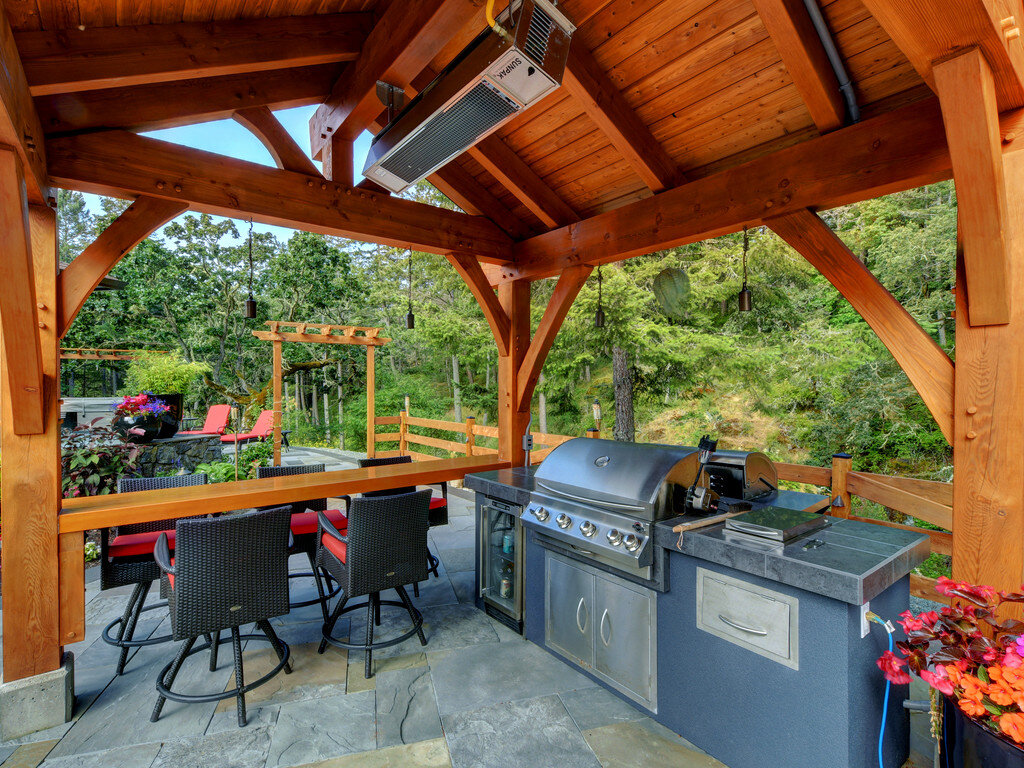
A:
[499,579]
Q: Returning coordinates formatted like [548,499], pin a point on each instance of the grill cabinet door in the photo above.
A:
[569,623]
[623,626]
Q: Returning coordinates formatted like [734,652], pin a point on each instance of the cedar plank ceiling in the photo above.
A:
[703,75]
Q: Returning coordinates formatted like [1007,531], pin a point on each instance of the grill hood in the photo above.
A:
[643,479]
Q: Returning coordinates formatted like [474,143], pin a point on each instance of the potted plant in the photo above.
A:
[140,417]
[976,662]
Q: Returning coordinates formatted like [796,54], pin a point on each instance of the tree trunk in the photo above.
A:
[284,401]
[298,397]
[542,405]
[455,388]
[314,411]
[327,412]
[622,378]
[487,381]
[341,411]
[586,372]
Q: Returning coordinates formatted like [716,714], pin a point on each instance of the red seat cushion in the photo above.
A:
[138,543]
[335,547]
[170,576]
[437,502]
[306,522]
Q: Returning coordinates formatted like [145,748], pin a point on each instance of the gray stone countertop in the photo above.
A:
[513,485]
[854,562]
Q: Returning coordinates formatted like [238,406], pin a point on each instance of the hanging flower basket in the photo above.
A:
[140,418]
[968,744]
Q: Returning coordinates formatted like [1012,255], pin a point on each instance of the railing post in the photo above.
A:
[470,436]
[403,427]
[842,463]
[593,432]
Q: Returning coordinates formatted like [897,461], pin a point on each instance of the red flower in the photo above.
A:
[938,680]
[892,667]
[910,622]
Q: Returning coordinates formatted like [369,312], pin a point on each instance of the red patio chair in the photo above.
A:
[262,429]
[215,424]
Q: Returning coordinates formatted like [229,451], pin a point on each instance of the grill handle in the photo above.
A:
[588,500]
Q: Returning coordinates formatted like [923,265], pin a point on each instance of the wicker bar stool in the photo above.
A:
[385,547]
[127,559]
[303,529]
[226,572]
[438,505]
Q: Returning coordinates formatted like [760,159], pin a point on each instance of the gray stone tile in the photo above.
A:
[457,558]
[434,591]
[709,545]
[446,627]
[240,748]
[536,732]
[257,716]
[6,752]
[645,743]
[447,537]
[136,756]
[406,707]
[464,583]
[488,674]
[596,707]
[48,734]
[813,578]
[310,731]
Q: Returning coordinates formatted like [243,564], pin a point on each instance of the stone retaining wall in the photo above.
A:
[178,453]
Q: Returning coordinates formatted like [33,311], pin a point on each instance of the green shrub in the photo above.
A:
[218,471]
[92,551]
[165,374]
[93,458]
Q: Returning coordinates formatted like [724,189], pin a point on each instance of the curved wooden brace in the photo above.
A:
[135,224]
[569,284]
[470,270]
[279,143]
[927,366]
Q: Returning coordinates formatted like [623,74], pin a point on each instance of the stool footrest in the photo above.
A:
[417,623]
[199,698]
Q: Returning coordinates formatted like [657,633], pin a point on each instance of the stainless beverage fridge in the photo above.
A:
[499,561]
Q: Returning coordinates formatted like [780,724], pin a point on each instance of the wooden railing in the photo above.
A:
[466,443]
[925,500]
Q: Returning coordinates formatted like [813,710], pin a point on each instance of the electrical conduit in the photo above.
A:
[845,84]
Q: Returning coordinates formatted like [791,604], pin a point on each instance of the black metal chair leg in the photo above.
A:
[129,631]
[329,625]
[370,603]
[129,610]
[236,643]
[214,640]
[276,642]
[172,673]
[416,588]
[318,578]
[415,615]
[376,610]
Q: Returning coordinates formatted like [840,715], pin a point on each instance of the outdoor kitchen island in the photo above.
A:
[751,650]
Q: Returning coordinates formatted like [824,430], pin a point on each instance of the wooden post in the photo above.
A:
[841,465]
[403,430]
[407,404]
[277,402]
[470,435]
[513,415]
[593,432]
[37,591]
[371,427]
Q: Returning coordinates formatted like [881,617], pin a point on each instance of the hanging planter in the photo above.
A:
[967,744]
[672,290]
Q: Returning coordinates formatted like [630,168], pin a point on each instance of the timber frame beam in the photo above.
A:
[287,154]
[473,275]
[927,366]
[80,278]
[20,128]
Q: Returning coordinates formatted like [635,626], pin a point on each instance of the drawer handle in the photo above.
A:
[604,617]
[741,628]
[582,626]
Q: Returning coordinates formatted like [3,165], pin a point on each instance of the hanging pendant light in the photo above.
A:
[250,303]
[410,318]
[743,297]
[599,314]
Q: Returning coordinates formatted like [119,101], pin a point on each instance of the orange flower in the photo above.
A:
[971,708]
[1004,689]
[1012,725]
[974,689]
[1015,677]
[954,673]
[1000,693]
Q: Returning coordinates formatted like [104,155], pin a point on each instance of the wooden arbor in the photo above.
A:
[318,333]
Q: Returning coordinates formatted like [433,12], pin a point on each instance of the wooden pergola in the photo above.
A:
[677,120]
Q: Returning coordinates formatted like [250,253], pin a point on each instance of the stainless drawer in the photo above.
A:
[754,618]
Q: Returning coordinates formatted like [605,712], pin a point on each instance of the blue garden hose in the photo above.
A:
[889,629]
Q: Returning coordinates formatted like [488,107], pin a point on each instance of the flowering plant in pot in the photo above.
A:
[973,659]
[138,417]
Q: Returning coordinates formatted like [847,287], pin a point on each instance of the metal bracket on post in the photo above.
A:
[391,96]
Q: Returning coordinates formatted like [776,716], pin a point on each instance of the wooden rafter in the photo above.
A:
[122,164]
[470,271]
[928,31]
[473,197]
[338,161]
[67,60]
[322,333]
[403,41]
[80,278]
[568,287]
[790,27]
[287,154]
[606,106]
[165,105]
[855,163]
[967,94]
[927,366]
[20,128]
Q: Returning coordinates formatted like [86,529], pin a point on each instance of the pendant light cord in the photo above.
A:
[410,281]
[250,258]
[600,280]
[746,245]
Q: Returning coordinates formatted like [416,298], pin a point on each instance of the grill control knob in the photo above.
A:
[563,520]
[614,537]
[541,514]
[587,528]
[631,542]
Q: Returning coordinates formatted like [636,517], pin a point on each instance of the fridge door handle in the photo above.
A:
[582,626]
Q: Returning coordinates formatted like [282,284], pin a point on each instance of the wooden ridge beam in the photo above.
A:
[899,150]
[80,278]
[125,164]
[287,154]
[606,106]
[403,41]
[20,128]
[791,29]
[967,94]
[166,105]
[928,31]
[469,269]
[69,60]
[927,366]
[566,290]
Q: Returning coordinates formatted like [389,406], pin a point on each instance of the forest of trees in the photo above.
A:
[800,377]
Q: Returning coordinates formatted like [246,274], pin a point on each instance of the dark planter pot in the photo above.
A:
[170,420]
[965,744]
[150,426]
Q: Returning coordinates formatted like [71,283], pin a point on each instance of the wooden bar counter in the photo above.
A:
[90,512]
